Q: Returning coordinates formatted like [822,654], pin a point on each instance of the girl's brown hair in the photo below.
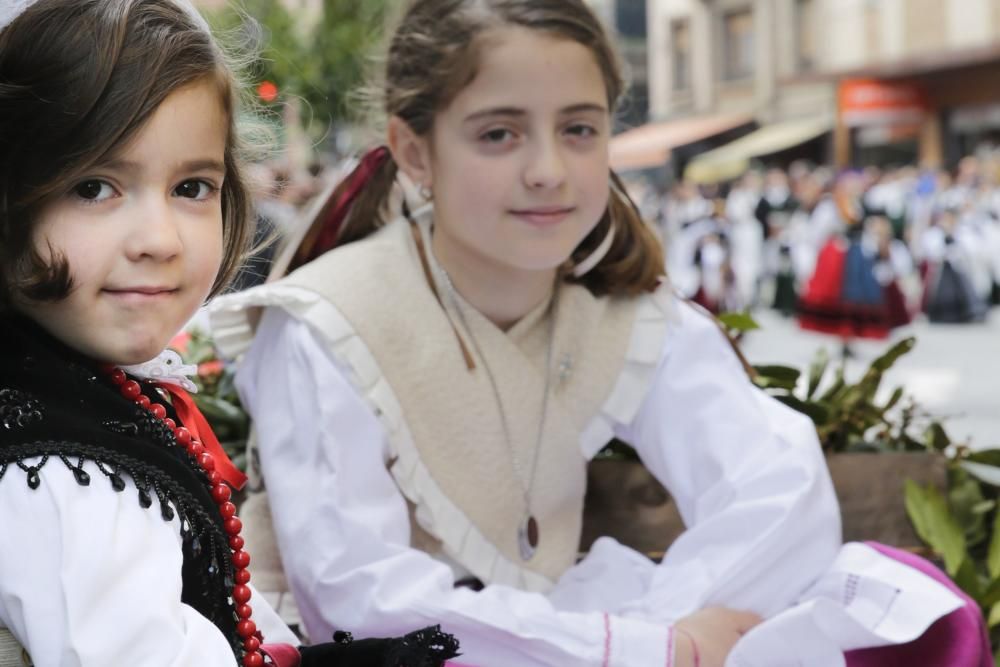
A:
[433,56]
[78,80]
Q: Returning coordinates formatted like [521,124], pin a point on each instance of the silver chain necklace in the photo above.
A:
[527,531]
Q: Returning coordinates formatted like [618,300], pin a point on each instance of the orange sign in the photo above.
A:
[874,102]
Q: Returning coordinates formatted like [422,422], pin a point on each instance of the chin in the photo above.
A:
[139,351]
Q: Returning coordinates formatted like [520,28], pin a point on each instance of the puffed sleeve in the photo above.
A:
[748,477]
[89,579]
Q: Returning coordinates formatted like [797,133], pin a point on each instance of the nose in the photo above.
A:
[545,167]
[155,231]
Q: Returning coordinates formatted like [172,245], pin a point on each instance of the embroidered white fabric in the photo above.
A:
[167,367]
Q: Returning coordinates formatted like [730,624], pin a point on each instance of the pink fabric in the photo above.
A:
[282,655]
[959,639]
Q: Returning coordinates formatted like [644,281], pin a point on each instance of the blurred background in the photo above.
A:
[829,167]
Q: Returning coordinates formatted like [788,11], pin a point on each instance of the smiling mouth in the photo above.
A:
[141,293]
[543,216]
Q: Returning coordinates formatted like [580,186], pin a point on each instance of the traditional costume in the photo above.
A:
[120,543]
[949,294]
[852,292]
[430,465]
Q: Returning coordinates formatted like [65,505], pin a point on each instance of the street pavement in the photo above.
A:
[953,372]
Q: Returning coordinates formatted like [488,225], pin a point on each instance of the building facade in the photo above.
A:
[899,80]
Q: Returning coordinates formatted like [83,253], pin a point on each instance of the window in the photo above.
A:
[737,44]
[805,35]
[680,54]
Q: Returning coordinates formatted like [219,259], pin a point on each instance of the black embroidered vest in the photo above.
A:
[57,409]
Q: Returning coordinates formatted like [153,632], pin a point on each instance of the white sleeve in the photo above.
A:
[88,578]
[343,528]
[748,477]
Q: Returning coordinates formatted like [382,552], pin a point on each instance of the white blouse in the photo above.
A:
[746,472]
[88,578]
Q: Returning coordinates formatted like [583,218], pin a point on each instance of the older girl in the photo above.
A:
[428,393]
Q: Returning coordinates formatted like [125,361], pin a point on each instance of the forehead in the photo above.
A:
[191,119]
[530,69]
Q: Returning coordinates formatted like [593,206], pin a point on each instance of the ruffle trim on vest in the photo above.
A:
[654,315]
[232,326]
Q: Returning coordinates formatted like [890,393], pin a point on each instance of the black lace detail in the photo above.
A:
[143,425]
[429,647]
[207,567]
[424,648]
[18,409]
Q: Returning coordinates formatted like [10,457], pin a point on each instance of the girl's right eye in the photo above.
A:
[496,135]
[94,191]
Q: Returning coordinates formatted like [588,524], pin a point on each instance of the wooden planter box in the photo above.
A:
[625,502]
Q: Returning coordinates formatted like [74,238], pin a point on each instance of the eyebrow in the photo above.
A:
[518,112]
[204,164]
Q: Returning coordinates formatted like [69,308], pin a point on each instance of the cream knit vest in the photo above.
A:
[371,304]
[452,413]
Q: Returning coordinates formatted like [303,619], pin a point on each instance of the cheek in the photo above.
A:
[206,253]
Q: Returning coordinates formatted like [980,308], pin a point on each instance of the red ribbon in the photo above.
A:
[195,422]
[330,224]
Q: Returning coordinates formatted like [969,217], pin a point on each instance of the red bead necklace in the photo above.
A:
[221,493]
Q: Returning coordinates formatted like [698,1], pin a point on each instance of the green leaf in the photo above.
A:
[741,322]
[837,387]
[984,507]
[964,493]
[987,473]
[889,357]
[893,400]
[987,456]
[779,372]
[935,524]
[817,369]
[968,579]
[815,411]
[936,437]
[994,617]
[990,595]
[993,555]
[765,382]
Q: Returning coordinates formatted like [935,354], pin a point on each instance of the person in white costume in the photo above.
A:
[427,394]
[123,209]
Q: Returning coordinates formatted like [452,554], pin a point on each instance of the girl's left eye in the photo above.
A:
[496,135]
[195,189]
[583,131]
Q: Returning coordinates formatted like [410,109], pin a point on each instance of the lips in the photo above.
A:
[144,290]
[541,216]
[140,293]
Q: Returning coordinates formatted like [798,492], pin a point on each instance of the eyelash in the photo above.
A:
[589,131]
[211,187]
[578,130]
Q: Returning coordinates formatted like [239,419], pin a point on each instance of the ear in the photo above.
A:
[410,151]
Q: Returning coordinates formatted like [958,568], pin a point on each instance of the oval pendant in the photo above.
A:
[527,538]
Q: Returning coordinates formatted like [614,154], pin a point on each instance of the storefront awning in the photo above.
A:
[730,161]
[649,145]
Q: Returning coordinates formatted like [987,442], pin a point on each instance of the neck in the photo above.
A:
[500,293]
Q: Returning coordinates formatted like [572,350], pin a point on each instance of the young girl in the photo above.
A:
[123,209]
[427,394]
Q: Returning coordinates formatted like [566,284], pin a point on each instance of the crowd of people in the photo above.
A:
[855,253]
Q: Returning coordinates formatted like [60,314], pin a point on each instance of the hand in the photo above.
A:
[710,634]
